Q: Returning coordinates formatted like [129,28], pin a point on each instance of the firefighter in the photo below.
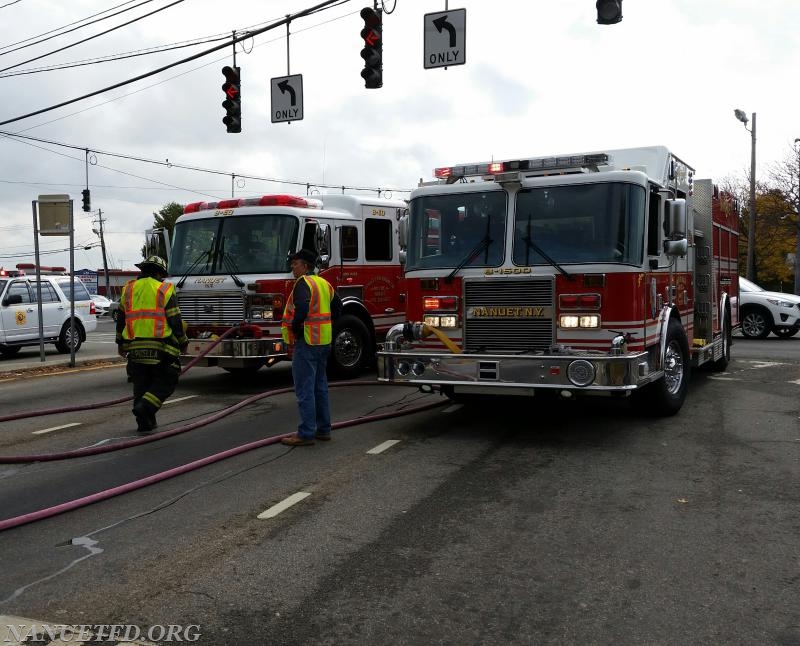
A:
[152,335]
[307,326]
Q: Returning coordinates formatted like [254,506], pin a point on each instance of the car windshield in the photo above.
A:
[3,284]
[580,224]
[746,286]
[251,244]
[463,229]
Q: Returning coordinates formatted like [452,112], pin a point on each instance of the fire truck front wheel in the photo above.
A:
[665,396]
[350,349]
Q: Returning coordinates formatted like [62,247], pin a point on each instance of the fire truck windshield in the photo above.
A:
[446,229]
[582,223]
[253,244]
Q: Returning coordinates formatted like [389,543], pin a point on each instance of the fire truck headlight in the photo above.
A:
[581,372]
[568,320]
[403,368]
[263,314]
[442,321]
[417,368]
[579,321]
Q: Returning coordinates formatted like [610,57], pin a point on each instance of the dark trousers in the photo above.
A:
[153,383]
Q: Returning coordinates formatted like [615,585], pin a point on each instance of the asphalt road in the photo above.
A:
[501,522]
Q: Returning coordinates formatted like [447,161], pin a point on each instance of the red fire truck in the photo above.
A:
[229,263]
[608,272]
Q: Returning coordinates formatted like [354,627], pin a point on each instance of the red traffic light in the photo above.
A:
[372,53]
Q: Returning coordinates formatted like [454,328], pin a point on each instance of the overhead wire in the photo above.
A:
[22,139]
[170,78]
[69,31]
[305,12]
[115,57]
[85,40]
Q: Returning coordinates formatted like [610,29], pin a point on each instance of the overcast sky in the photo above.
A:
[541,77]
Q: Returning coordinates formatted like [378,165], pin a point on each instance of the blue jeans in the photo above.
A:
[311,388]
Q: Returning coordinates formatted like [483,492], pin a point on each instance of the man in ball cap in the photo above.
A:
[151,334]
[307,327]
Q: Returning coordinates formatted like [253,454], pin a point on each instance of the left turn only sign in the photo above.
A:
[287,98]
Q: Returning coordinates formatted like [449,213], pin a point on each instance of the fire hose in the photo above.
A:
[121,400]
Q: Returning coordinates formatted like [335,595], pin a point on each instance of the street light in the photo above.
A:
[751,227]
[797,241]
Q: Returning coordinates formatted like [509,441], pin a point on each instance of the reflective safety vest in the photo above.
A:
[144,302]
[317,328]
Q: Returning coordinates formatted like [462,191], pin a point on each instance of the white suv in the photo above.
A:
[762,312]
[19,313]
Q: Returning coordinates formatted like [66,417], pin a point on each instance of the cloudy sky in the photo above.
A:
[541,77]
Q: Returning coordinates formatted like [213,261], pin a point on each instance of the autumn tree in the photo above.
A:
[785,179]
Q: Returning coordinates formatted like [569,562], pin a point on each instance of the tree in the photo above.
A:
[785,177]
[775,230]
[165,219]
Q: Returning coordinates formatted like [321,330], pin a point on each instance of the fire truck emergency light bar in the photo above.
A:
[533,164]
[264,200]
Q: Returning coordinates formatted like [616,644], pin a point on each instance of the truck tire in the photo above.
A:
[785,332]
[727,339]
[350,348]
[65,342]
[9,350]
[665,397]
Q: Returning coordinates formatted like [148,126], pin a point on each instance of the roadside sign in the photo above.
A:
[445,38]
[55,215]
[287,98]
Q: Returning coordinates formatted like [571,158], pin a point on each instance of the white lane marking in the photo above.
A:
[179,399]
[55,428]
[796,381]
[283,505]
[382,447]
[453,408]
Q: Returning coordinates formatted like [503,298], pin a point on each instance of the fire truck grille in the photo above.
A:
[211,309]
[508,334]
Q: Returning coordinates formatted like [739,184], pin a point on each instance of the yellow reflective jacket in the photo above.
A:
[317,326]
[148,305]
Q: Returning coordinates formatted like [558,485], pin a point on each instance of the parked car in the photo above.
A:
[19,313]
[762,312]
[101,304]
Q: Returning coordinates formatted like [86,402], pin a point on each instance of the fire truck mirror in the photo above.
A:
[676,247]
[402,257]
[402,232]
[322,240]
[676,215]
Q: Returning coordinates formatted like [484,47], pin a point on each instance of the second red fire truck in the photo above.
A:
[610,272]
[229,263]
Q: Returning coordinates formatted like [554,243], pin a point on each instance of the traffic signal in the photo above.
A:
[233,99]
[609,12]
[372,34]
[86,200]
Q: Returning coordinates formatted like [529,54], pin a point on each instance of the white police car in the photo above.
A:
[19,313]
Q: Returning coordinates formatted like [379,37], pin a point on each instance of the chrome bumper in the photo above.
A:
[236,353]
[505,374]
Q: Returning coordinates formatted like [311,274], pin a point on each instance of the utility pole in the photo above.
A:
[103,249]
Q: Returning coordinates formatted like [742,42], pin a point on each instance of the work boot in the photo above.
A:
[145,420]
